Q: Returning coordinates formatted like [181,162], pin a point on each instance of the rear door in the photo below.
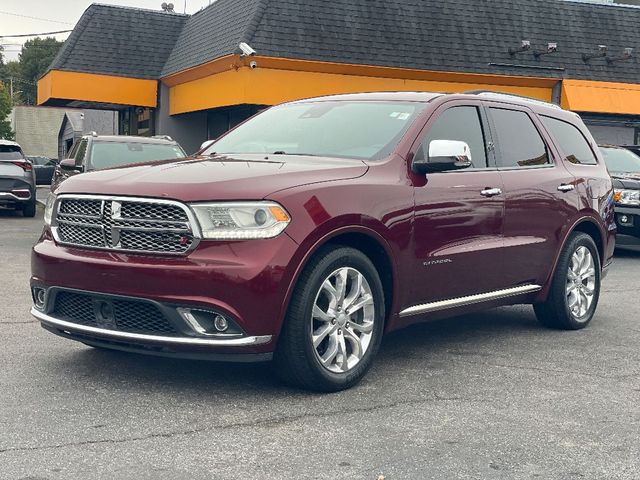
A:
[458,214]
[539,193]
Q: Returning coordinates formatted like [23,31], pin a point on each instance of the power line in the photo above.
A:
[35,34]
[34,18]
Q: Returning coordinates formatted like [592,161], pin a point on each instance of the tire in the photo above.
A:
[297,360]
[565,307]
[29,209]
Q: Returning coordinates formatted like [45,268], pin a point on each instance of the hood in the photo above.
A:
[629,181]
[241,177]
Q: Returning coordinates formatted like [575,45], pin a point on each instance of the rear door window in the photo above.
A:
[574,146]
[519,142]
[461,124]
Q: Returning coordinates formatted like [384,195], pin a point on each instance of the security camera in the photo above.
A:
[247,51]
[253,64]
[525,44]
[602,48]
[552,47]
[628,52]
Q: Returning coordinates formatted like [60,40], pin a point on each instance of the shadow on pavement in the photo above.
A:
[187,377]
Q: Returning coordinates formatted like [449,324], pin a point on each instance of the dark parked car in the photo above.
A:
[43,168]
[17,181]
[98,152]
[634,148]
[624,167]
[313,228]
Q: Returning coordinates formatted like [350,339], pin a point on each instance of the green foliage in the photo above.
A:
[36,56]
[5,110]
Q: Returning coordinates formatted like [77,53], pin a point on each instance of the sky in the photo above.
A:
[39,16]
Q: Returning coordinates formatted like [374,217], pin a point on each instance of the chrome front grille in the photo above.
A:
[125,224]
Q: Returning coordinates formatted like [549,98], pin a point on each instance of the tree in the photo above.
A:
[37,54]
[12,71]
[5,109]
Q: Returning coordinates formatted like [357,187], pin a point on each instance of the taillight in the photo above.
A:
[26,166]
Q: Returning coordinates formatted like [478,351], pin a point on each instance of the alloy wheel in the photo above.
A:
[342,321]
[581,282]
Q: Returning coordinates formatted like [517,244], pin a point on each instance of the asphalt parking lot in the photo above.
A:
[488,396]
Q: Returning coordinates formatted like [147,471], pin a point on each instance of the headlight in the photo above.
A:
[48,209]
[627,197]
[241,221]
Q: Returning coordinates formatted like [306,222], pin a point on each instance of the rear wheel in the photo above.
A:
[575,287]
[334,324]
[29,209]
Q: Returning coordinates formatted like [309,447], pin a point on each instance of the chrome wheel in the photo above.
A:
[581,282]
[342,320]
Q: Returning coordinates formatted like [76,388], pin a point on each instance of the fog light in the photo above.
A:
[39,297]
[624,219]
[220,323]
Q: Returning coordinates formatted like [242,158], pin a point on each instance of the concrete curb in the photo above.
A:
[41,195]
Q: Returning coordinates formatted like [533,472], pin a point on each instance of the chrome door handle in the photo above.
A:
[566,188]
[491,192]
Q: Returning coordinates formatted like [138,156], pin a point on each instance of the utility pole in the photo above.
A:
[11,89]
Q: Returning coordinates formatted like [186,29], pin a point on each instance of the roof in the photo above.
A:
[130,139]
[122,41]
[377,97]
[453,35]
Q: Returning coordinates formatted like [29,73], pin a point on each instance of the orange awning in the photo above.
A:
[601,97]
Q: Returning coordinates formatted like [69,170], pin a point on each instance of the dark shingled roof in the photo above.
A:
[120,41]
[451,35]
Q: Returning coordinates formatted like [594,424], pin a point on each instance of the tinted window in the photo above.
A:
[620,160]
[365,130]
[519,142]
[461,124]
[10,152]
[574,146]
[115,154]
[79,154]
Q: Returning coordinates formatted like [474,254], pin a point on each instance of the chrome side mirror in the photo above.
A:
[443,155]
[206,144]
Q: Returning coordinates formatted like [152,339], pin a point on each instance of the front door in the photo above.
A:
[458,214]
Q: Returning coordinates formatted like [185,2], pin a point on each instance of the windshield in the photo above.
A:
[114,154]
[361,130]
[10,152]
[620,160]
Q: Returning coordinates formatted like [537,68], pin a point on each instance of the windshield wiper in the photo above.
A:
[282,152]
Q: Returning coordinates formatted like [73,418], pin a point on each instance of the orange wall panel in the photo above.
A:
[89,87]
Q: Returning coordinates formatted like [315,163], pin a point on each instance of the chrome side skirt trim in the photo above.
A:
[470,300]
[139,337]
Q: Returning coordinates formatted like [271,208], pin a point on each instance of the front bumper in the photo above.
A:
[246,282]
[631,226]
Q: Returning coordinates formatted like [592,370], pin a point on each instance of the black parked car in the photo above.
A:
[624,167]
[43,168]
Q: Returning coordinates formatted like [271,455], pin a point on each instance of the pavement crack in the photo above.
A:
[269,422]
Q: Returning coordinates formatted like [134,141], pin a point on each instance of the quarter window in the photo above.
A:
[79,155]
[461,124]
[574,146]
[519,140]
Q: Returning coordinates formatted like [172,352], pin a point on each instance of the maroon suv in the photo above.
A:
[316,226]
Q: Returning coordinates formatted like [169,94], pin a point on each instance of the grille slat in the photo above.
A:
[128,316]
[124,224]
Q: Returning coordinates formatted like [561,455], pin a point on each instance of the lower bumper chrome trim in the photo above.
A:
[470,300]
[13,196]
[139,337]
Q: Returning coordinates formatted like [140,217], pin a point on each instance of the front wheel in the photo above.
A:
[334,324]
[575,288]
